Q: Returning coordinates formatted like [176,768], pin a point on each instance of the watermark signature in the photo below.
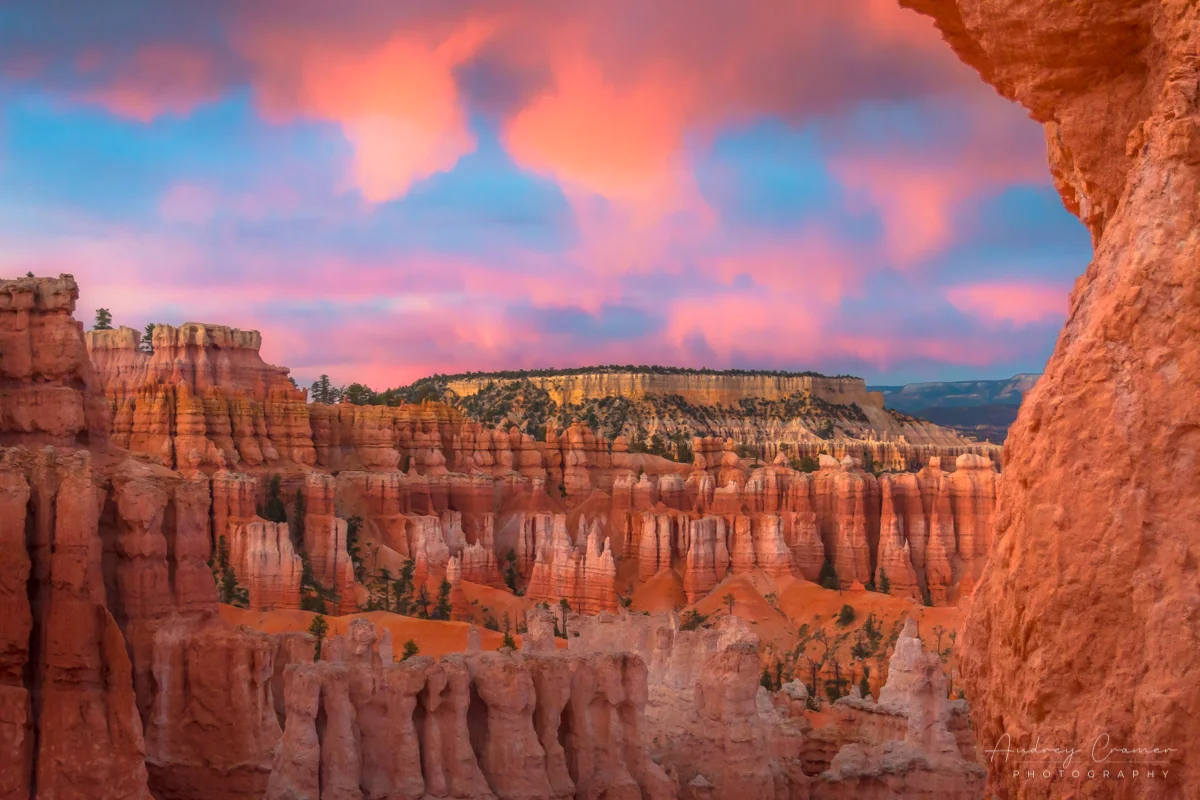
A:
[1102,758]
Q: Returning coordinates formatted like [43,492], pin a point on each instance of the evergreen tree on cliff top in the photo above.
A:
[103,320]
[323,391]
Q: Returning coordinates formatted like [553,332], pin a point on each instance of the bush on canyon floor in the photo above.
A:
[845,616]
[828,576]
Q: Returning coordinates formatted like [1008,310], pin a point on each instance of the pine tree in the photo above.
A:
[312,593]
[402,591]
[359,394]
[509,642]
[228,591]
[423,603]
[323,391]
[885,585]
[864,685]
[729,600]
[103,320]
[442,610]
[410,650]
[565,606]
[318,628]
[274,511]
[148,338]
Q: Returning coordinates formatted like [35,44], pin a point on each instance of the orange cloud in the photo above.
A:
[621,142]
[397,102]
[1021,303]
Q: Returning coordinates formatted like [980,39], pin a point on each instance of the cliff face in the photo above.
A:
[698,389]
[70,727]
[1102,457]
[49,394]
[202,400]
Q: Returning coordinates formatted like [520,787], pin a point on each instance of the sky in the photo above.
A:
[389,189]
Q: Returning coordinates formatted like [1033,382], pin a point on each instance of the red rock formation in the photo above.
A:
[427,547]
[582,572]
[974,485]
[895,564]
[842,493]
[916,753]
[261,553]
[707,557]
[478,730]
[656,543]
[701,709]
[325,542]
[205,694]
[757,543]
[942,547]
[202,399]
[70,724]
[479,557]
[49,394]
[1101,459]
[153,578]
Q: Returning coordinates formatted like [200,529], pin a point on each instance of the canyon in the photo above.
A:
[173,523]
[550,611]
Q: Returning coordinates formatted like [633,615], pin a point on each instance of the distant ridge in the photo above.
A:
[984,409]
[640,369]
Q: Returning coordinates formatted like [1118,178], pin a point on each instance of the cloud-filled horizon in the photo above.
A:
[389,190]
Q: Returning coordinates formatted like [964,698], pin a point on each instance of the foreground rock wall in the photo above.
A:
[69,725]
[719,734]
[1084,622]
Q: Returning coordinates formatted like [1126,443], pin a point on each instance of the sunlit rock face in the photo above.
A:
[1090,593]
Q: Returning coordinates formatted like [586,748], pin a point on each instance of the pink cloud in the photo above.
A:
[1017,302]
[157,80]
[396,101]
[918,186]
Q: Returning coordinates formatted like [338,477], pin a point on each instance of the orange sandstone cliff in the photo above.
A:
[1084,624]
